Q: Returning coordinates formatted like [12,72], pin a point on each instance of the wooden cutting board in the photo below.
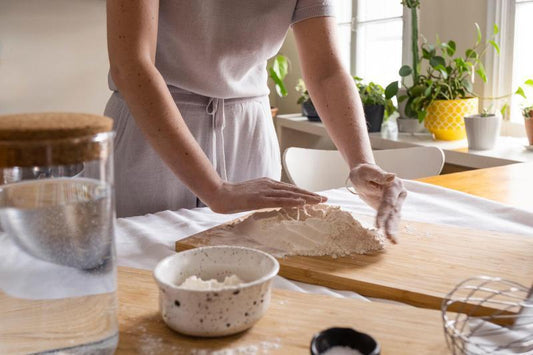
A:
[287,327]
[429,262]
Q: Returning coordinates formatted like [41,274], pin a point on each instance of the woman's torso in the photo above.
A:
[219,48]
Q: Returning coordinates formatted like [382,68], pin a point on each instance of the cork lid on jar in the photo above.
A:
[43,139]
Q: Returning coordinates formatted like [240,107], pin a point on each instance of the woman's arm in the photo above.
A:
[132,38]
[337,101]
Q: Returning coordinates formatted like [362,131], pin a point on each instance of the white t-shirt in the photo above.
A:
[219,48]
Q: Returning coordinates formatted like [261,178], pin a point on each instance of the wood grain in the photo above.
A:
[29,326]
[510,184]
[428,262]
[287,327]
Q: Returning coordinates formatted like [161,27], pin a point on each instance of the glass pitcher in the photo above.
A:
[57,253]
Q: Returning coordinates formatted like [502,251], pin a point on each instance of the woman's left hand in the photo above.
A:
[382,191]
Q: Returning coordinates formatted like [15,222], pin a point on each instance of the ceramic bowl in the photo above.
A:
[211,313]
[344,337]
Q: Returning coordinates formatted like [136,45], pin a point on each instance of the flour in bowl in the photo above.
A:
[196,283]
[311,230]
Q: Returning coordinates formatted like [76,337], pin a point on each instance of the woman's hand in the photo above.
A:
[259,193]
[382,191]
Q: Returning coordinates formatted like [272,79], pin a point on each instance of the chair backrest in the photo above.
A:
[317,170]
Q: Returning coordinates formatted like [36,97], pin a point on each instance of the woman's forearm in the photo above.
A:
[332,89]
[337,101]
[132,39]
[158,117]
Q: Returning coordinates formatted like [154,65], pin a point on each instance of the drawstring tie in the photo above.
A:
[215,108]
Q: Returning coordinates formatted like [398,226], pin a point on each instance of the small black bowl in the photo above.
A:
[331,337]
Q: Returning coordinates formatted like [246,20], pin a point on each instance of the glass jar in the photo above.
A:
[57,251]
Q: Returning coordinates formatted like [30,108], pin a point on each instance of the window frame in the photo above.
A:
[500,67]
[406,31]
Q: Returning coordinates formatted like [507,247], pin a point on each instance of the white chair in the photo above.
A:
[318,170]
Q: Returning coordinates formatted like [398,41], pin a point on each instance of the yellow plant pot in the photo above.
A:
[445,118]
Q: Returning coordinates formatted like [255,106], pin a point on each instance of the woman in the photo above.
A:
[192,114]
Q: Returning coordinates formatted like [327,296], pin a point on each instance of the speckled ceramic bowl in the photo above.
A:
[215,313]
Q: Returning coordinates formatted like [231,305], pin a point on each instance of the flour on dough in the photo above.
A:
[312,230]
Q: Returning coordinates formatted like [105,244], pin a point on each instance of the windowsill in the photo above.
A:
[508,150]
[295,130]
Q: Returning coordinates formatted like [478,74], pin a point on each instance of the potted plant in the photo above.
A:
[444,94]
[308,109]
[527,111]
[376,107]
[277,72]
[482,129]
[407,123]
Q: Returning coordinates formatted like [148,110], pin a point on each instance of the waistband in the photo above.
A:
[184,96]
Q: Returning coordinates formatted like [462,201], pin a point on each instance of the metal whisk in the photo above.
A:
[493,316]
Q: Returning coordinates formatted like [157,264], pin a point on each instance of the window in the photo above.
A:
[510,69]
[371,32]
[522,53]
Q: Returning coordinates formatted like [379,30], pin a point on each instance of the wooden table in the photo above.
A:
[287,328]
[294,317]
[510,184]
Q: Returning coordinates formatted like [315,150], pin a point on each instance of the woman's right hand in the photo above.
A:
[259,193]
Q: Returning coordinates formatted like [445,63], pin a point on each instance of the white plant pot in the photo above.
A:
[410,125]
[406,124]
[482,132]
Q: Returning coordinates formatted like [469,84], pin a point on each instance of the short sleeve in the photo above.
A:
[312,8]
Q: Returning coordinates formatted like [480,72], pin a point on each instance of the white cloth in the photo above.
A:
[24,276]
[143,241]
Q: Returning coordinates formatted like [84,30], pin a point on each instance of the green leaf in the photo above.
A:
[495,45]
[281,66]
[442,70]
[495,29]
[504,109]
[436,61]
[416,91]
[427,92]
[529,82]
[478,30]
[451,48]
[405,70]
[421,115]
[460,64]
[467,84]
[409,110]
[280,86]
[521,92]
[481,72]
[471,54]
[391,90]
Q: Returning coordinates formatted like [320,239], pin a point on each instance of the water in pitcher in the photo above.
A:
[57,272]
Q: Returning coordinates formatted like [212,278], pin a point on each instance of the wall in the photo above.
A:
[288,103]
[53,53]
[451,19]
[53,56]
